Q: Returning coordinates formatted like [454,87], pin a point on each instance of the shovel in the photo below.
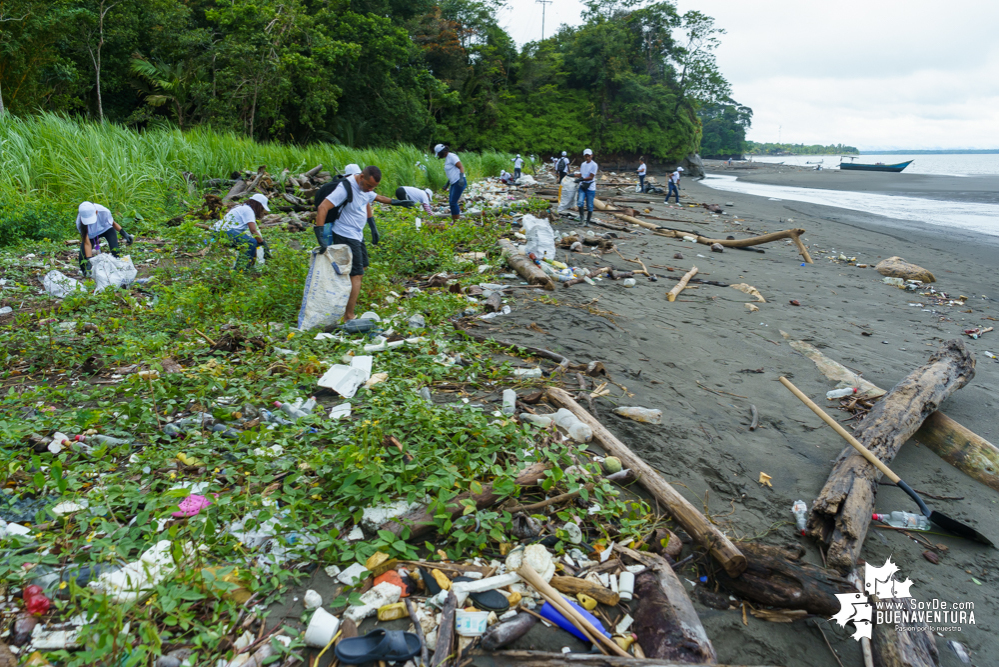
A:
[945,522]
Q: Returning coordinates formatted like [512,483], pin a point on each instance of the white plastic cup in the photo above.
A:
[322,628]
[470,623]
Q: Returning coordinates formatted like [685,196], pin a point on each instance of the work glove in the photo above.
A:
[402,202]
[374,231]
[129,239]
[85,267]
[463,181]
[319,237]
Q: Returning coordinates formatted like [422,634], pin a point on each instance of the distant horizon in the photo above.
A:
[914,151]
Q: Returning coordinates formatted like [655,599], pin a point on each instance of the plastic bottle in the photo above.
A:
[509,401]
[273,418]
[290,410]
[645,415]
[577,430]
[181,425]
[840,393]
[906,520]
[100,440]
[800,511]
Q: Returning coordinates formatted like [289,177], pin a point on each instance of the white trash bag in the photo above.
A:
[111,271]
[540,237]
[567,200]
[58,284]
[327,288]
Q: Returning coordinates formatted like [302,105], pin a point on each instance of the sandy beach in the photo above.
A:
[699,358]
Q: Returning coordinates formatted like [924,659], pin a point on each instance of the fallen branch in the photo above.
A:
[522,264]
[675,292]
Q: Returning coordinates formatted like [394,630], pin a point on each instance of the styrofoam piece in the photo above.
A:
[352,574]
[312,600]
[340,411]
[363,364]
[379,596]
[344,380]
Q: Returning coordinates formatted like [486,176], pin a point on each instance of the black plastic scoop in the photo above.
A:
[950,525]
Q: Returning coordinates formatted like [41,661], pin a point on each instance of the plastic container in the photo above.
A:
[626,586]
[841,393]
[550,613]
[906,520]
[322,628]
[645,415]
[509,401]
[576,429]
[800,511]
[471,623]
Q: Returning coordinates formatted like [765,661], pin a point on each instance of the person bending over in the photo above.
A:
[424,197]
[94,222]
[242,219]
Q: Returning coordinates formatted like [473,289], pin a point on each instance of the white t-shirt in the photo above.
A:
[562,164]
[675,177]
[104,222]
[451,169]
[238,219]
[354,215]
[641,169]
[518,162]
[418,195]
[588,169]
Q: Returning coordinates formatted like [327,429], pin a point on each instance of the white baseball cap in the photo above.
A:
[587,152]
[351,169]
[87,213]
[563,153]
[438,148]
[518,154]
[430,193]
[262,200]
[679,168]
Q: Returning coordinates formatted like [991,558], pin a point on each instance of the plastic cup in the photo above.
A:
[471,623]
[322,628]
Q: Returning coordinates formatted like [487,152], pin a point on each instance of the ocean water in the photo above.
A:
[976,217]
[942,164]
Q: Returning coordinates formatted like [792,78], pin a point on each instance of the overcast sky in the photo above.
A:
[876,74]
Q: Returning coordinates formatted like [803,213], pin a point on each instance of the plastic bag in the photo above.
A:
[540,237]
[327,288]
[567,198]
[58,284]
[111,271]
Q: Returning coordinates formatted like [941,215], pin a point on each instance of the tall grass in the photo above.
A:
[61,161]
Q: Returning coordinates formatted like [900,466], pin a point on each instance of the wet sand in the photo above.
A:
[697,360]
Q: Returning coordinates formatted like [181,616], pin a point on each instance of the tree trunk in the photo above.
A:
[527,269]
[842,512]
[903,648]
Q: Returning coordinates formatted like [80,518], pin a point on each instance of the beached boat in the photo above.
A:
[880,166]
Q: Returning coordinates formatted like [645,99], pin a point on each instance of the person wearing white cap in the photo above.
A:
[351,170]
[94,222]
[424,197]
[587,185]
[518,164]
[674,185]
[242,219]
[562,167]
[506,178]
[455,176]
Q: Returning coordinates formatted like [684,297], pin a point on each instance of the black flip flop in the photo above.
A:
[387,645]
[487,600]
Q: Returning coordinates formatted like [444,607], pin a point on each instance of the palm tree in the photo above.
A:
[168,84]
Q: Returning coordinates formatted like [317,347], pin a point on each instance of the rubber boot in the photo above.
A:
[581,209]
[589,216]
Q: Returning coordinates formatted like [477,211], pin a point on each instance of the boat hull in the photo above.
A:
[846,166]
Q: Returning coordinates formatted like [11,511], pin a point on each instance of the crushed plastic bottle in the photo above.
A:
[800,511]
[509,401]
[906,520]
[272,418]
[290,410]
[182,425]
[576,429]
[645,415]
[100,440]
[841,393]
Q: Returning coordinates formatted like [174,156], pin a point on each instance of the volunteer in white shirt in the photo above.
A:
[641,174]
[518,164]
[455,176]
[424,197]
[587,185]
[94,222]
[562,166]
[242,219]
[674,185]
[506,177]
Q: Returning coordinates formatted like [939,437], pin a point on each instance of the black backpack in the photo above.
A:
[327,189]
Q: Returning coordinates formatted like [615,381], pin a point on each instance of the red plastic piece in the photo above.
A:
[35,601]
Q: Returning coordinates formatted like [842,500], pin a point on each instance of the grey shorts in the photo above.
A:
[358,251]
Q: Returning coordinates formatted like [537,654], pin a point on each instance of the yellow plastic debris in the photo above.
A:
[441,579]
[624,642]
[188,460]
[514,599]
[765,479]
[375,560]
[392,612]
[588,603]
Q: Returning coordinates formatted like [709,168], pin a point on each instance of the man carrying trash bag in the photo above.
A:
[94,222]
[349,206]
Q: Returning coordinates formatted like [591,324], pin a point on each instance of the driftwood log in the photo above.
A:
[574,585]
[445,632]
[841,514]
[540,659]
[666,623]
[957,445]
[774,578]
[522,264]
[421,521]
[695,523]
[894,647]
[675,292]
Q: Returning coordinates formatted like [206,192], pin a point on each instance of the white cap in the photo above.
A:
[262,200]
[679,168]
[430,193]
[351,169]
[438,148]
[87,213]
[518,154]
[587,152]
[563,153]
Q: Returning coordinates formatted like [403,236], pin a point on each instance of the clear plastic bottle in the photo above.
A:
[576,429]
[273,418]
[509,401]
[800,511]
[181,425]
[290,410]
[100,440]
[906,520]
[645,415]
[841,393]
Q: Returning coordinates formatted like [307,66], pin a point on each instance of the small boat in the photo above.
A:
[880,166]
[819,162]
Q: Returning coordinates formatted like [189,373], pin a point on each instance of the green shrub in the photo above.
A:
[35,221]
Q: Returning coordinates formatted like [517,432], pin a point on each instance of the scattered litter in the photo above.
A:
[644,415]
[765,479]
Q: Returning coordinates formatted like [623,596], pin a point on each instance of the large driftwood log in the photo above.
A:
[695,523]
[522,264]
[842,512]
[774,578]
[666,623]
[540,659]
[957,445]
[894,647]
[421,521]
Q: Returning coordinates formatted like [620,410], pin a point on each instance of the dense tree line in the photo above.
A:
[631,79]
[755,148]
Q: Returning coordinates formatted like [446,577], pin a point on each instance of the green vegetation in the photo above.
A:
[725,128]
[755,148]
[365,73]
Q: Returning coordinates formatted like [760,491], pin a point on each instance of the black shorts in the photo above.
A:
[358,251]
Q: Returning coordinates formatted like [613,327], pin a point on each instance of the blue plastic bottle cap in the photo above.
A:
[802,263]
[704,579]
